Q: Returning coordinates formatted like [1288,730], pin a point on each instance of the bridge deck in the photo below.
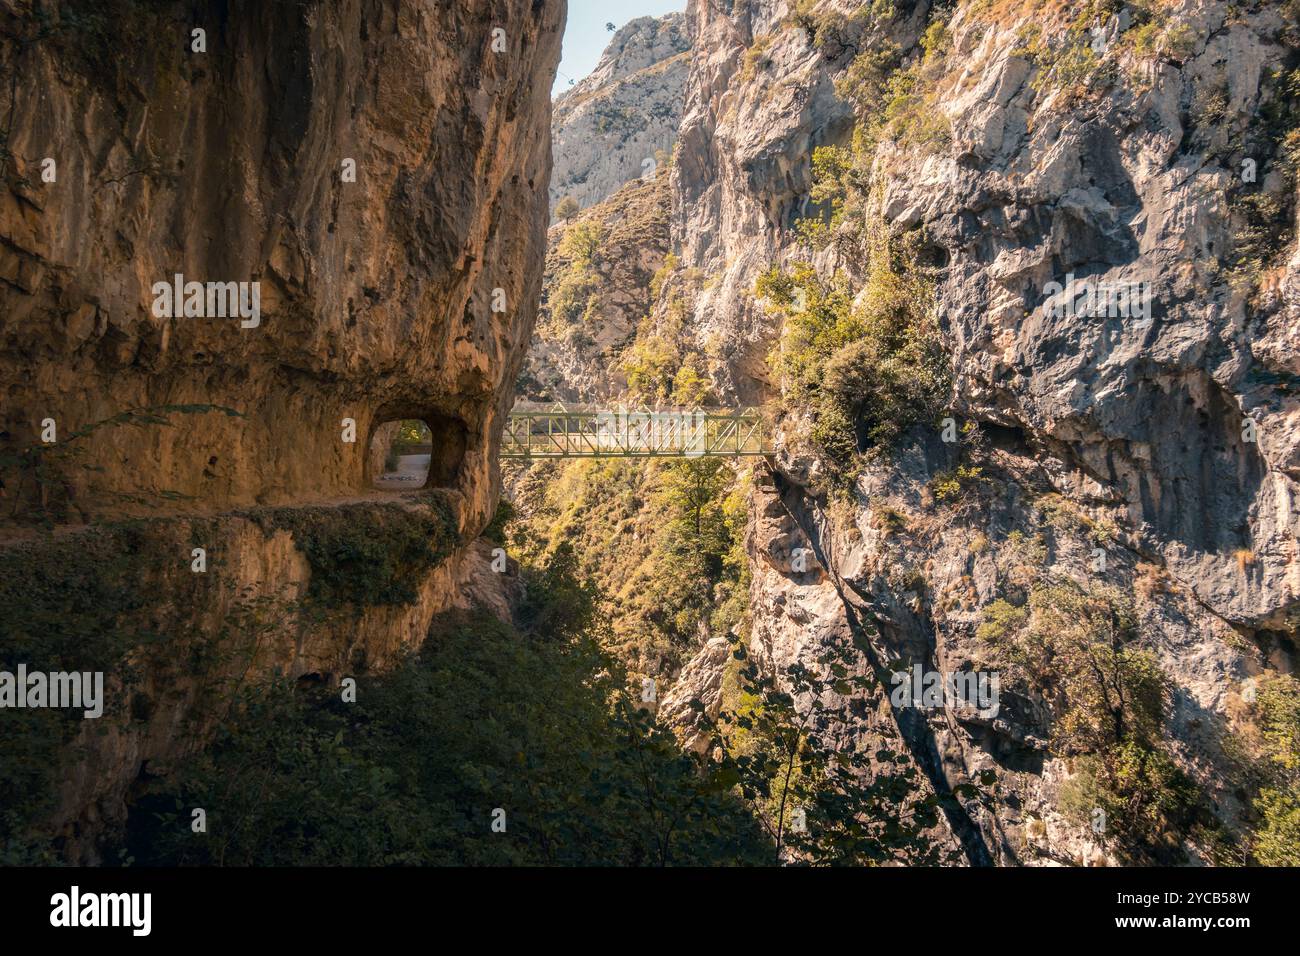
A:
[559,431]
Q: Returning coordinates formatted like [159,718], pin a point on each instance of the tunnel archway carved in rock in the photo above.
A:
[411,450]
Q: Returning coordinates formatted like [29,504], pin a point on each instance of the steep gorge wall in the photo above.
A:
[377,296]
[1087,423]
[228,166]
[591,310]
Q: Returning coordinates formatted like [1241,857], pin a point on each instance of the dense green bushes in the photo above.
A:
[867,365]
[536,723]
[366,554]
[662,364]
[1276,712]
[571,297]
[663,539]
[78,602]
[121,599]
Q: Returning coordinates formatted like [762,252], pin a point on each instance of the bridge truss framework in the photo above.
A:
[560,431]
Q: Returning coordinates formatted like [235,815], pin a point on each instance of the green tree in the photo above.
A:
[822,801]
[566,209]
[693,490]
[580,243]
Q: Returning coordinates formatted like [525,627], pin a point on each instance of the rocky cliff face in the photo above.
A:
[599,287]
[1017,145]
[375,294]
[372,173]
[620,121]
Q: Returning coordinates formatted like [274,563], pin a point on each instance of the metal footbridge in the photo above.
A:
[590,431]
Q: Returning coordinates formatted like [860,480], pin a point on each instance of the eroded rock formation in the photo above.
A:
[1032,146]
[1136,426]
[379,169]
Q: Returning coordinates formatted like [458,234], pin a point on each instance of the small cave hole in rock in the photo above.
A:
[419,451]
[401,452]
[932,256]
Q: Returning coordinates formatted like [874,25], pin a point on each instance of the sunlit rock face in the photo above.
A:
[576,352]
[377,168]
[622,117]
[1139,424]
[371,176]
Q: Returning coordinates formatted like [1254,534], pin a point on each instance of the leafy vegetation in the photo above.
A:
[1266,218]
[71,603]
[89,602]
[566,209]
[411,434]
[1073,647]
[867,366]
[950,486]
[864,363]
[533,727]
[835,34]
[662,365]
[366,554]
[570,298]
[755,58]
[911,115]
[1072,61]
[1273,769]
[664,541]
[537,724]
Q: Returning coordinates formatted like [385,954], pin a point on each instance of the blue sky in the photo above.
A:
[585,36]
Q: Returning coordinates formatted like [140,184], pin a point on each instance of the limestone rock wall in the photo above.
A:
[234,165]
[379,168]
[1139,426]
[625,112]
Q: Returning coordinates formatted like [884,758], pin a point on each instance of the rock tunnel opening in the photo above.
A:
[410,453]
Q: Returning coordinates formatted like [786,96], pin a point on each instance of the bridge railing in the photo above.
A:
[587,431]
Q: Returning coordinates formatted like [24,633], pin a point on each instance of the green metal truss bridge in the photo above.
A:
[591,431]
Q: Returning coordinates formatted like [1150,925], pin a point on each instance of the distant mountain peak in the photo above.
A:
[614,124]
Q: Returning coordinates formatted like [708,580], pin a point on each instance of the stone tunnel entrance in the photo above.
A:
[400,453]
[407,454]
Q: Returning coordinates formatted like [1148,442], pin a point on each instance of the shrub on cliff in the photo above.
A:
[572,294]
[1074,648]
[566,209]
[1275,770]
[366,554]
[664,540]
[867,365]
